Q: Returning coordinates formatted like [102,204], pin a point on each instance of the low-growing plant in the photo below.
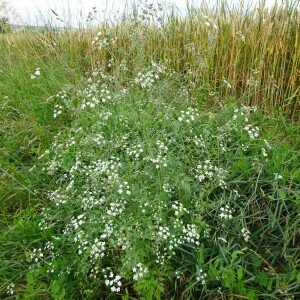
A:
[155,199]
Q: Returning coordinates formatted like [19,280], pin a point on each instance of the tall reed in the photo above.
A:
[253,54]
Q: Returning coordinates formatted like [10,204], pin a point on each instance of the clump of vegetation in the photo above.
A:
[4,25]
[136,166]
[7,14]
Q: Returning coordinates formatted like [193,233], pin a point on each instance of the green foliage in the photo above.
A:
[147,192]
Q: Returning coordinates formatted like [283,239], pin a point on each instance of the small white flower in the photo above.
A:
[10,289]
[222,239]
[246,234]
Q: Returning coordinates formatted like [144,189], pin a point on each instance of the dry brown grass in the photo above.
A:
[256,51]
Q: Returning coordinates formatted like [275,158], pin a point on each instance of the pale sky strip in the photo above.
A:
[74,12]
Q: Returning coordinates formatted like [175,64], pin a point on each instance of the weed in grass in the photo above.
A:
[140,211]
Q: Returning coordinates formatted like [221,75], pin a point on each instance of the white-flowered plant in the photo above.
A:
[207,171]
[201,276]
[146,79]
[136,184]
[103,40]
[10,289]
[161,159]
[246,234]
[113,281]
[139,271]
[168,188]
[253,131]
[189,116]
[226,212]
[135,151]
[36,73]
[277,176]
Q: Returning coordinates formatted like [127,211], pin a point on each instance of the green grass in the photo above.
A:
[131,160]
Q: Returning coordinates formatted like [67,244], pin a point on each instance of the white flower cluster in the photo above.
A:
[226,212]
[189,47]
[135,151]
[144,206]
[100,41]
[108,228]
[201,276]
[253,82]
[116,208]
[58,198]
[161,147]
[104,115]
[36,256]
[98,139]
[210,22]
[124,187]
[199,141]
[223,147]
[189,115]
[45,216]
[64,99]
[105,95]
[168,188]
[244,112]
[36,73]
[178,274]
[91,201]
[226,82]
[161,256]
[91,103]
[161,159]
[123,242]
[93,96]
[113,281]
[179,209]
[264,152]
[99,167]
[208,170]
[268,144]
[159,67]
[81,239]
[49,246]
[58,109]
[163,232]
[190,234]
[246,234]
[10,289]
[139,271]
[252,131]
[78,221]
[146,79]
[94,272]
[98,250]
